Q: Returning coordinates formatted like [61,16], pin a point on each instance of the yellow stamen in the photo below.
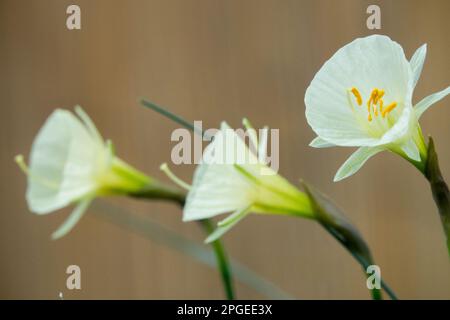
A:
[20,160]
[165,168]
[21,163]
[380,94]
[369,116]
[389,108]
[373,96]
[357,96]
[375,104]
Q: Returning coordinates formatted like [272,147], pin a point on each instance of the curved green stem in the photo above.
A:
[163,192]
[159,234]
[222,260]
[439,189]
[334,221]
[375,293]
[159,191]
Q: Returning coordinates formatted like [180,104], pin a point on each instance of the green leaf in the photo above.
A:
[156,232]
[172,116]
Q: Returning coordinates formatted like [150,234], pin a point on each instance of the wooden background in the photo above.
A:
[213,60]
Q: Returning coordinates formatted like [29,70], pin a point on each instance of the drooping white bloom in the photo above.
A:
[362,97]
[232,178]
[70,163]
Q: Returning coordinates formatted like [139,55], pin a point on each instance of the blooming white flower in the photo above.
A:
[232,178]
[71,163]
[362,97]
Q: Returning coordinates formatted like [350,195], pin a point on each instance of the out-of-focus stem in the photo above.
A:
[335,222]
[159,191]
[222,260]
[375,293]
[163,192]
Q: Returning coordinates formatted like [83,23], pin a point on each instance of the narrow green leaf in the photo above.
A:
[160,234]
[172,116]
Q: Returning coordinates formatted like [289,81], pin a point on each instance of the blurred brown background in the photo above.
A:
[213,60]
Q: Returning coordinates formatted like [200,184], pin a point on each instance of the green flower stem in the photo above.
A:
[363,261]
[156,190]
[159,234]
[335,222]
[219,251]
[160,191]
[439,189]
[375,293]
[222,260]
[429,167]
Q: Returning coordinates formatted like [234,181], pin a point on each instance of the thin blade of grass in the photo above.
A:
[160,234]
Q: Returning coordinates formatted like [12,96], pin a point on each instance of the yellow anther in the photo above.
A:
[357,96]
[375,103]
[380,94]
[20,160]
[369,111]
[373,96]
[389,108]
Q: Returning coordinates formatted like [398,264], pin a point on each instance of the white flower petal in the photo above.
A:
[427,102]
[417,61]
[230,177]
[89,124]
[402,129]
[72,220]
[221,230]
[318,142]
[262,147]
[411,150]
[62,160]
[217,186]
[216,189]
[367,63]
[251,133]
[356,161]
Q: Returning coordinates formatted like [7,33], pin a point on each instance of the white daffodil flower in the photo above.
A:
[232,178]
[362,97]
[70,163]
